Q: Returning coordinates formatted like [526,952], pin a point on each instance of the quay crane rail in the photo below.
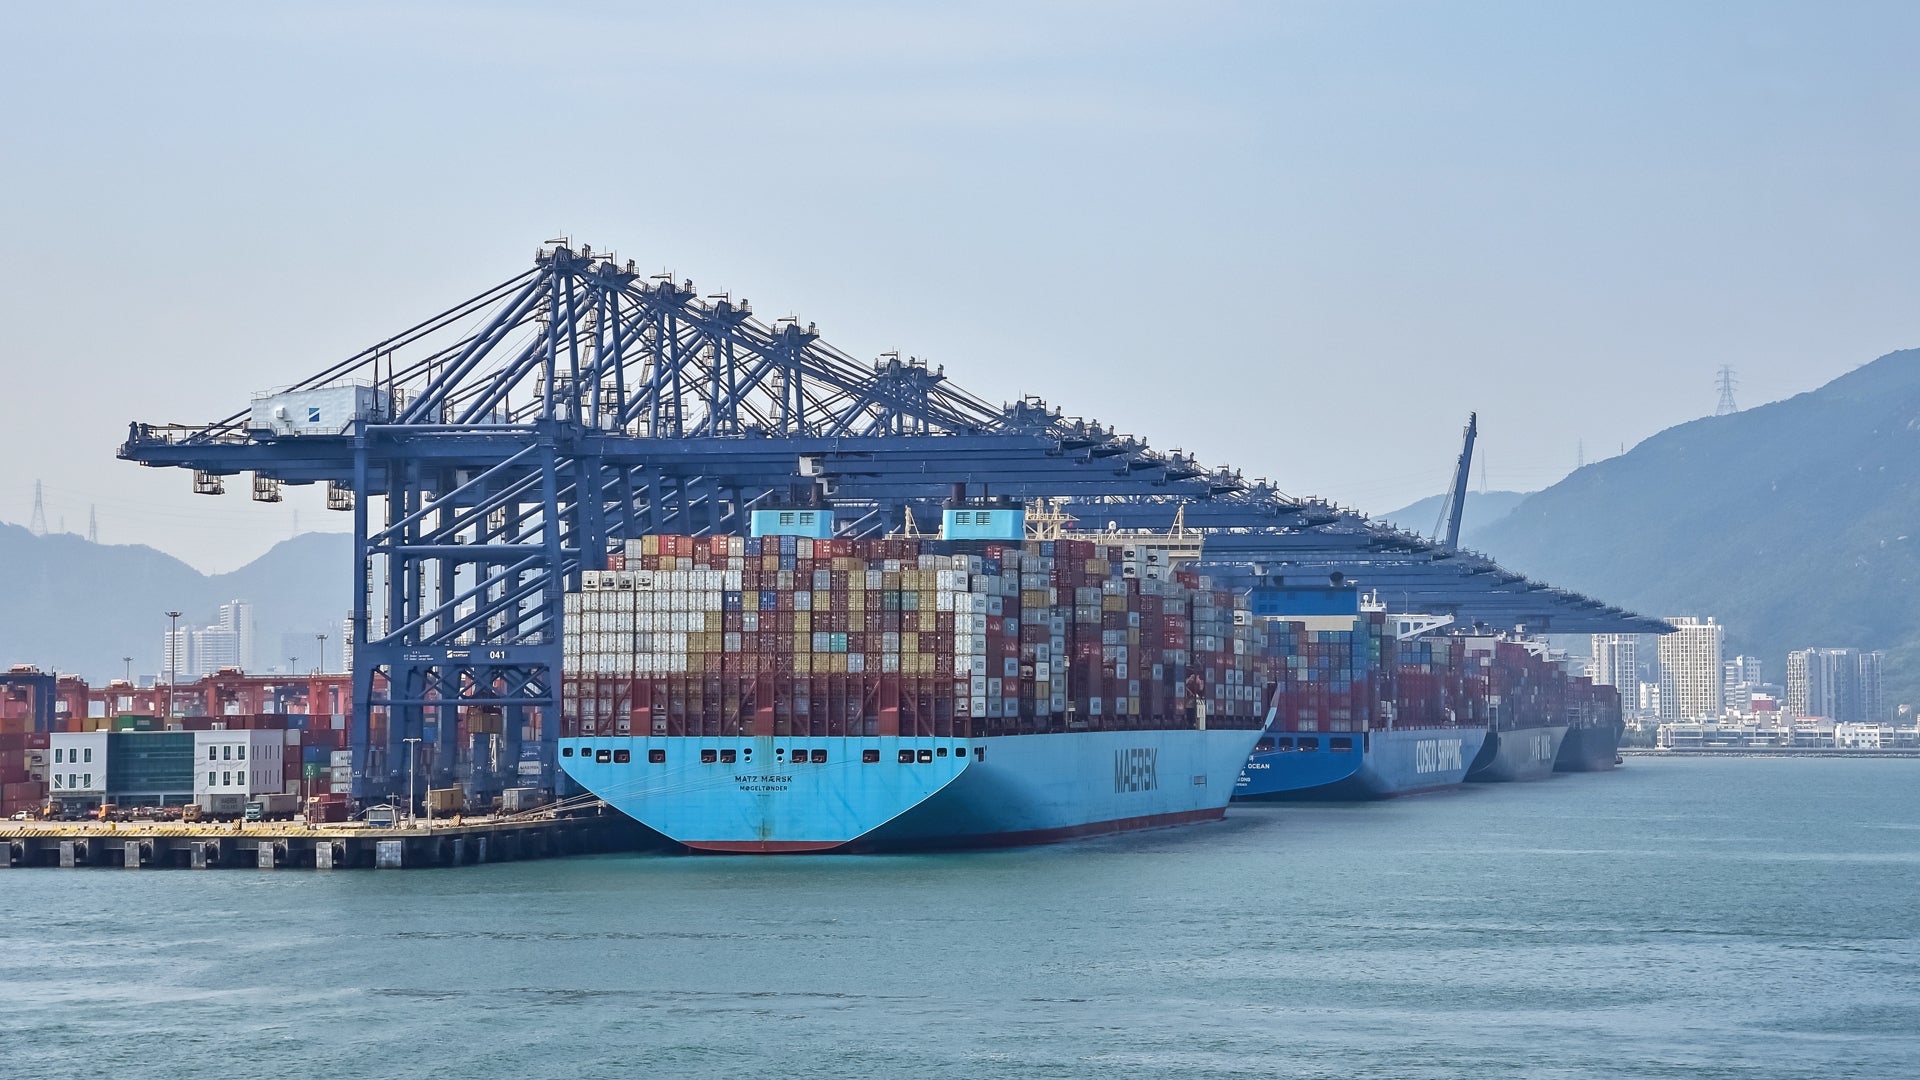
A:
[520,436]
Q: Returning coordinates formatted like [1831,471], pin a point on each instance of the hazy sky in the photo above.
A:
[1304,239]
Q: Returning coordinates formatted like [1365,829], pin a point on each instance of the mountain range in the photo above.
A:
[1796,524]
[78,606]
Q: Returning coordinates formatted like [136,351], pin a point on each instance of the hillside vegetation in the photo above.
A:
[1795,523]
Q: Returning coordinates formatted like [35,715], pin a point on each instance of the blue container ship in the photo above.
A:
[785,795]
[1367,765]
[787,693]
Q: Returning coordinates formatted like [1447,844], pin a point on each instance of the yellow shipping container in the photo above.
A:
[649,545]
[909,642]
[803,622]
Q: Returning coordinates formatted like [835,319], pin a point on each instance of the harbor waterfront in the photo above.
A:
[1748,918]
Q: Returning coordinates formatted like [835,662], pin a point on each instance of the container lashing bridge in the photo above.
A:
[491,453]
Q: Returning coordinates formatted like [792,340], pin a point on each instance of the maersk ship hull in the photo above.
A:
[1589,748]
[790,794]
[1519,754]
[1373,765]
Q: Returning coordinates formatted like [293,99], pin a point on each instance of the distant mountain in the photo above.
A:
[1483,509]
[80,606]
[1797,523]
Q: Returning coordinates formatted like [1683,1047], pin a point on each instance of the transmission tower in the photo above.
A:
[93,524]
[38,523]
[1727,385]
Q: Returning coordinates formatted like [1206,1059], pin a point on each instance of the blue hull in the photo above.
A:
[1520,754]
[1373,765]
[792,794]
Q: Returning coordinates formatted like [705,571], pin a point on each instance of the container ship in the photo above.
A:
[1526,698]
[790,692]
[1366,706]
[1594,729]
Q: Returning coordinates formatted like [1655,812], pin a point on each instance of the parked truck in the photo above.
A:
[273,807]
[222,806]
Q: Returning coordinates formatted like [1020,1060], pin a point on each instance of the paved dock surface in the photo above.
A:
[278,844]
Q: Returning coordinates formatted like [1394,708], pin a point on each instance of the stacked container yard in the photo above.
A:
[23,783]
[738,639]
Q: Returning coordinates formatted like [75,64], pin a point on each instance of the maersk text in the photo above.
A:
[1133,770]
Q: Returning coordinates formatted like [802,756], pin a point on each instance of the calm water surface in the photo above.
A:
[1702,918]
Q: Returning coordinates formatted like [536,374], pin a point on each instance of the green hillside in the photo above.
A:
[1796,523]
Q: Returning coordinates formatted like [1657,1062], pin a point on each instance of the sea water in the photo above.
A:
[1675,918]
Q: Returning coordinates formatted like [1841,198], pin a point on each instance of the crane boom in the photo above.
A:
[1456,501]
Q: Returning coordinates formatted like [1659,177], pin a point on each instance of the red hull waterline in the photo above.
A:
[984,840]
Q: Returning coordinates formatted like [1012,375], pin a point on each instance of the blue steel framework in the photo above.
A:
[521,436]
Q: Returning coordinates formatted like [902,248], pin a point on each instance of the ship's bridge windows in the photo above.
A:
[926,757]
[622,757]
[870,757]
[657,757]
[1310,744]
[708,757]
[602,757]
[819,757]
[727,757]
[906,757]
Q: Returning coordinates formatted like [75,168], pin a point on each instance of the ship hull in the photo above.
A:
[1520,754]
[1592,748]
[1002,791]
[1380,765]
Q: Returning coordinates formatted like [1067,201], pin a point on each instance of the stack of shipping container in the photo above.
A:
[23,785]
[733,636]
[1331,673]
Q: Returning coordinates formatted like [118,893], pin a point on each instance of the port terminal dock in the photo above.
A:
[465,841]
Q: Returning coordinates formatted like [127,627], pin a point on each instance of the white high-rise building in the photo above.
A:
[215,647]
[237,617]
[1842,685]
[176,654]
[1615,664]
[1742,679]
[1690,666]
